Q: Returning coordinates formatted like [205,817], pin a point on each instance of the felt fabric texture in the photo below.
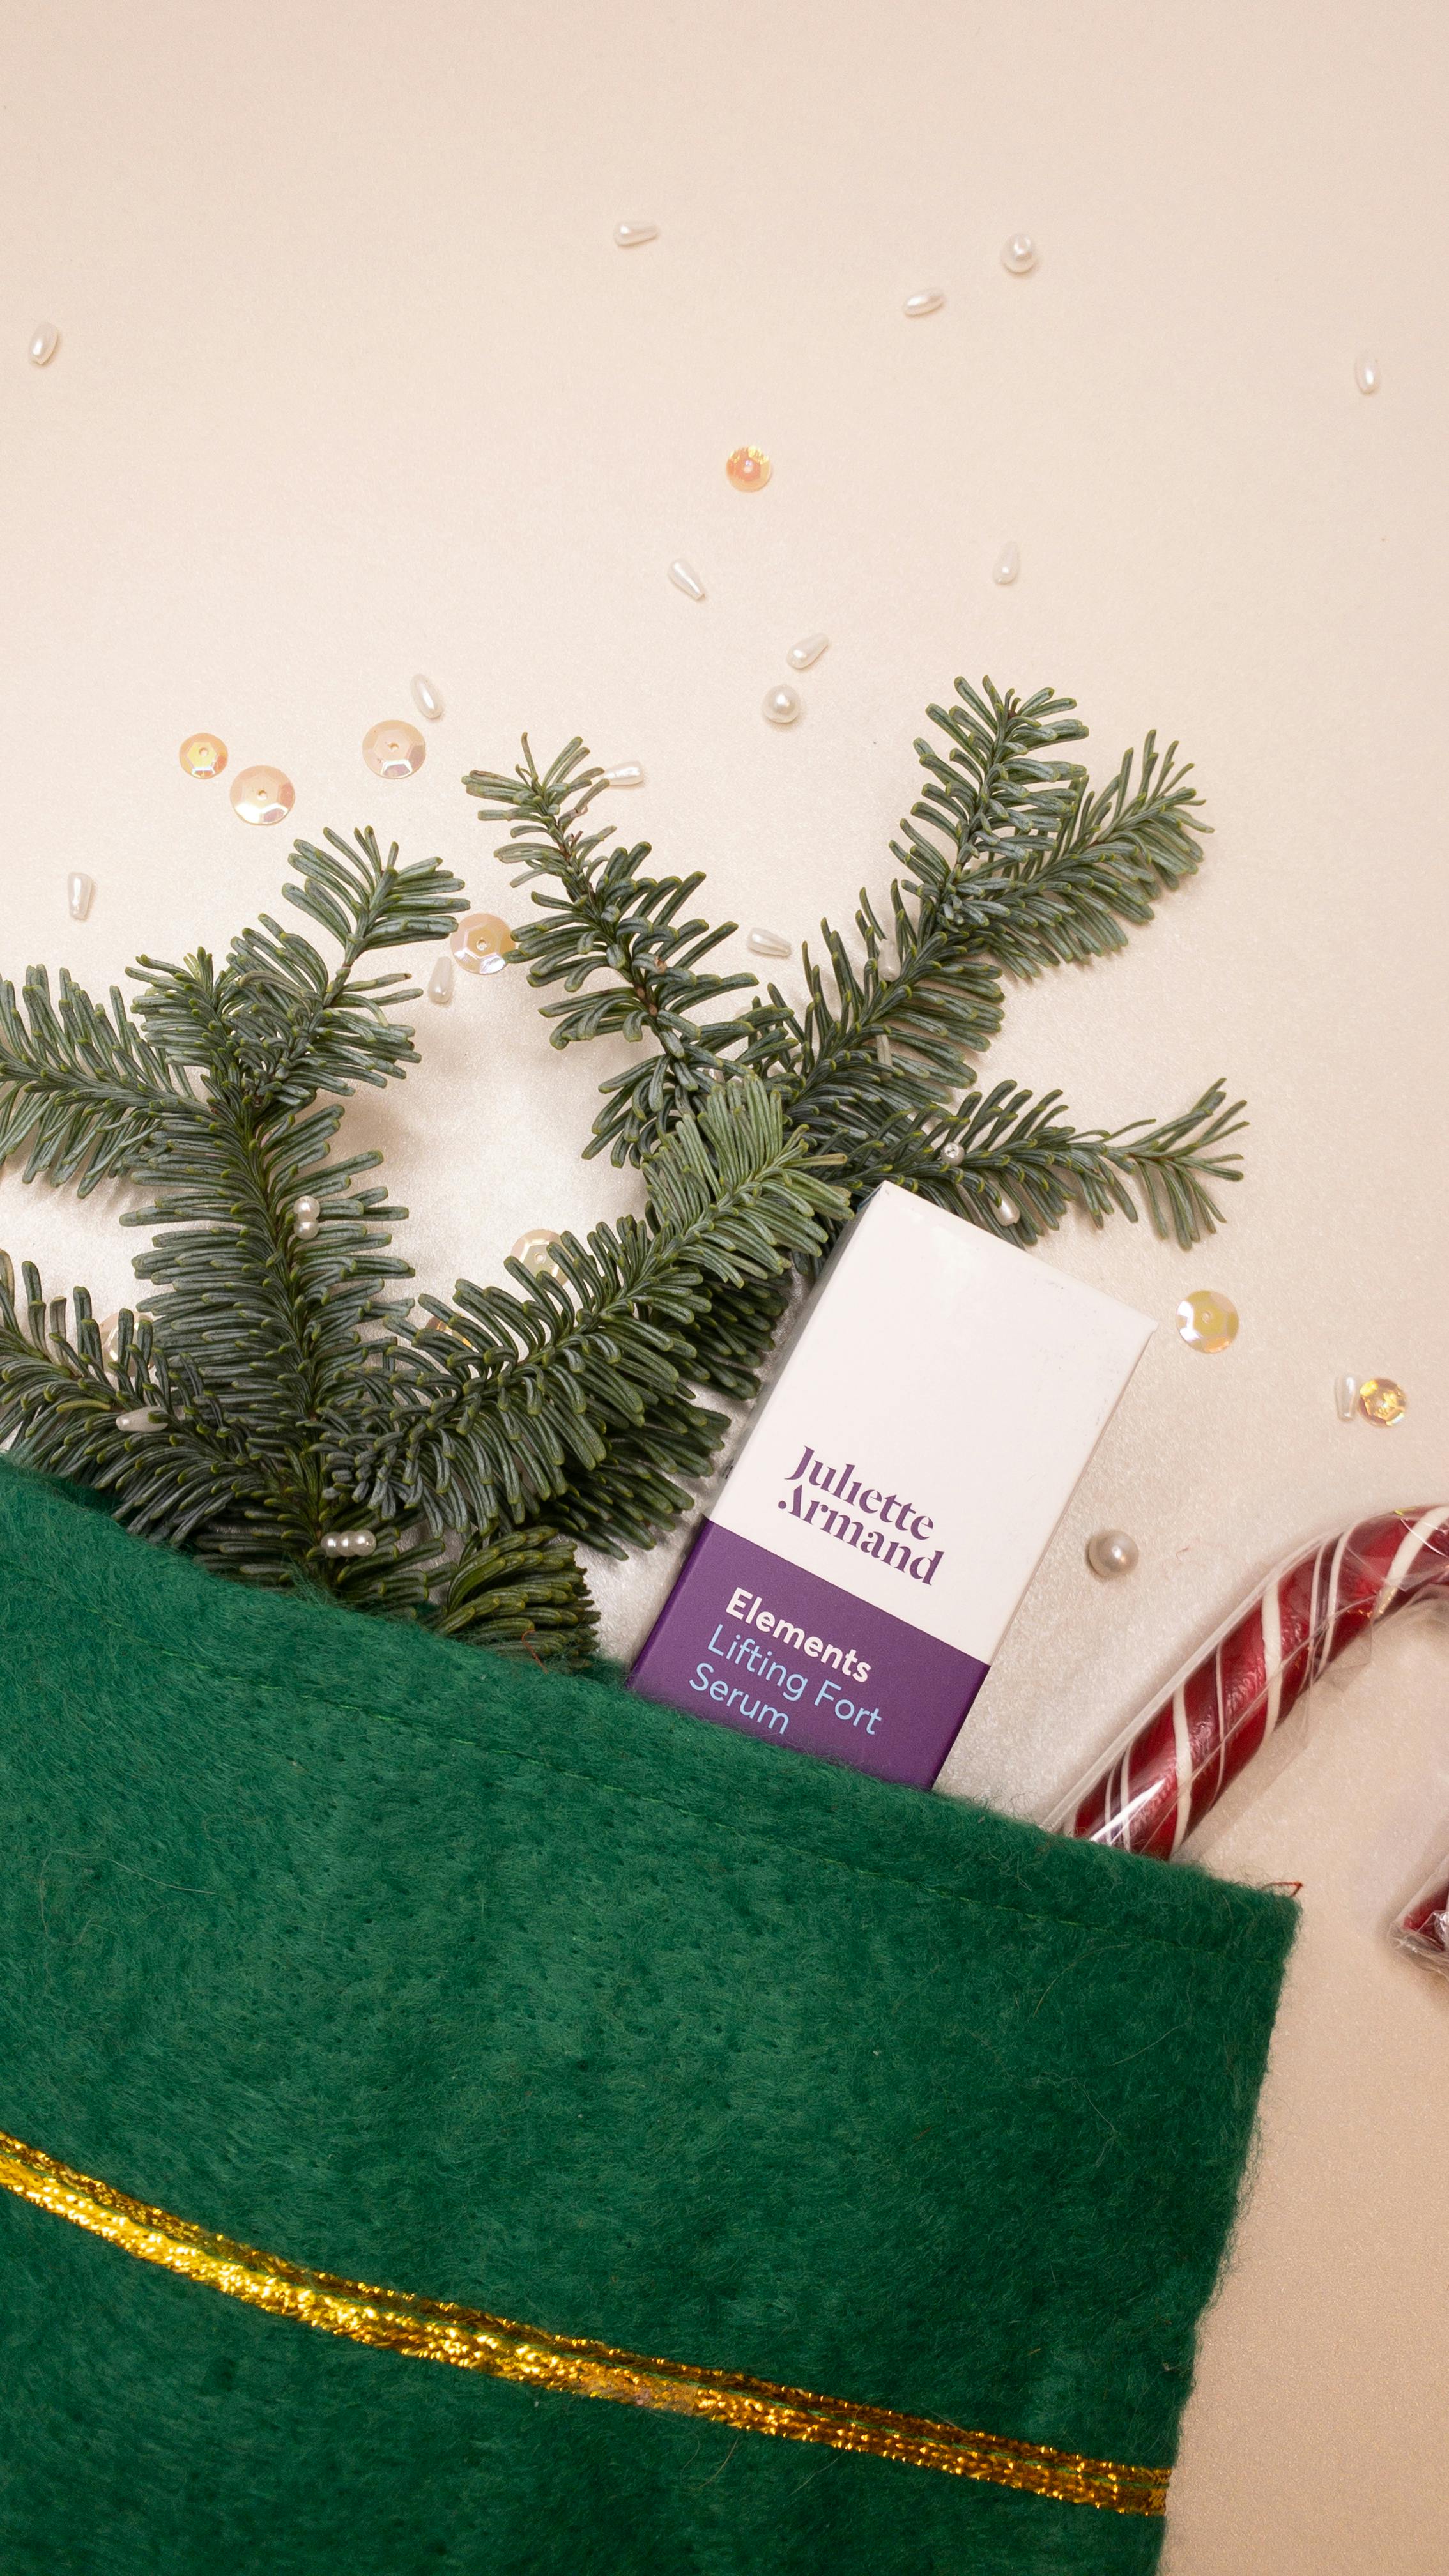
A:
[433,1970]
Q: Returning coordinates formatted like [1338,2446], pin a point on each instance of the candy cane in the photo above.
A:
[1168,1768]
[1423,1927]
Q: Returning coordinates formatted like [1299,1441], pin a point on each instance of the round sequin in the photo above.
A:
[394,750]
[535,1251]
[481,943]
[1381,1399]
[1111,1552]
[262,795]
[203,755]
[748,468]
[1207,1320]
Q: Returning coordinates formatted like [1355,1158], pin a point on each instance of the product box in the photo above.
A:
[919,1444]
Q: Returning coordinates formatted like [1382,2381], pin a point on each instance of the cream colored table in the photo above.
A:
[353,382]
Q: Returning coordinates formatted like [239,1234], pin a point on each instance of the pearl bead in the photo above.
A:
[954,1152]
[482,943]
[440,982]
[1111,1552]
[628,773]
[110,1333]
[1345,1397]
[1207,1320]
[203,755]
[808,650]
[768,943]
[633,236]
[348,1543]
[44,341]
[535,1251]
[748,468]
[426,697]
[79,889]
[304,1208]
[145,1417]
[685,578]
[930,300]
[262,795]
[1020,254]
[394,749]
[1007,565]
[1366,374]
[783,706]
[1382,1399]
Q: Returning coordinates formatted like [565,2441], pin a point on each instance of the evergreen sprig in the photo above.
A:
[283,1407]
[1010,862]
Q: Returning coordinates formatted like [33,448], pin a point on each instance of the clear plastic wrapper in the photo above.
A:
[1173,1763]
[1423,1927]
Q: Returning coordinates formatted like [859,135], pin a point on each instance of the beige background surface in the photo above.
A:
[353,382]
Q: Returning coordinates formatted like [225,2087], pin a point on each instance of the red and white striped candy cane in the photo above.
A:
[1168,1768]
[1423,1927]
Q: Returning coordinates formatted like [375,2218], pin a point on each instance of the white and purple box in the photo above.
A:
[921,1440]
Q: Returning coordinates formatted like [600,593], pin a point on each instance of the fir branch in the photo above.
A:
[1014,1164]
[612,921]
[277,1026]
[81,1089]
[521,1592]
[517,1397]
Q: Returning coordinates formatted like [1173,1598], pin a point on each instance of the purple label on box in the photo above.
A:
[753,1642]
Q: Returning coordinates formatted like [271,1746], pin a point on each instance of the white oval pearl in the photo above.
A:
[930,300]
[1007,565]
[79,889]
[630,236]
[305,1228]
[1111,1552]
[769,943]
[1345,1396]
[144,1417]
[335,1543]
[110,1332]
[1019,254]
[360,1542]
[628,773]
[808,650]
[425,697]
[44,341]
[440,982]
[783,706]
[306,1211]
[685,578]
[1366,374]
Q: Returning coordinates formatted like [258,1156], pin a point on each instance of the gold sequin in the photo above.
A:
[1382,1399]
[469,2339]
[748,468]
